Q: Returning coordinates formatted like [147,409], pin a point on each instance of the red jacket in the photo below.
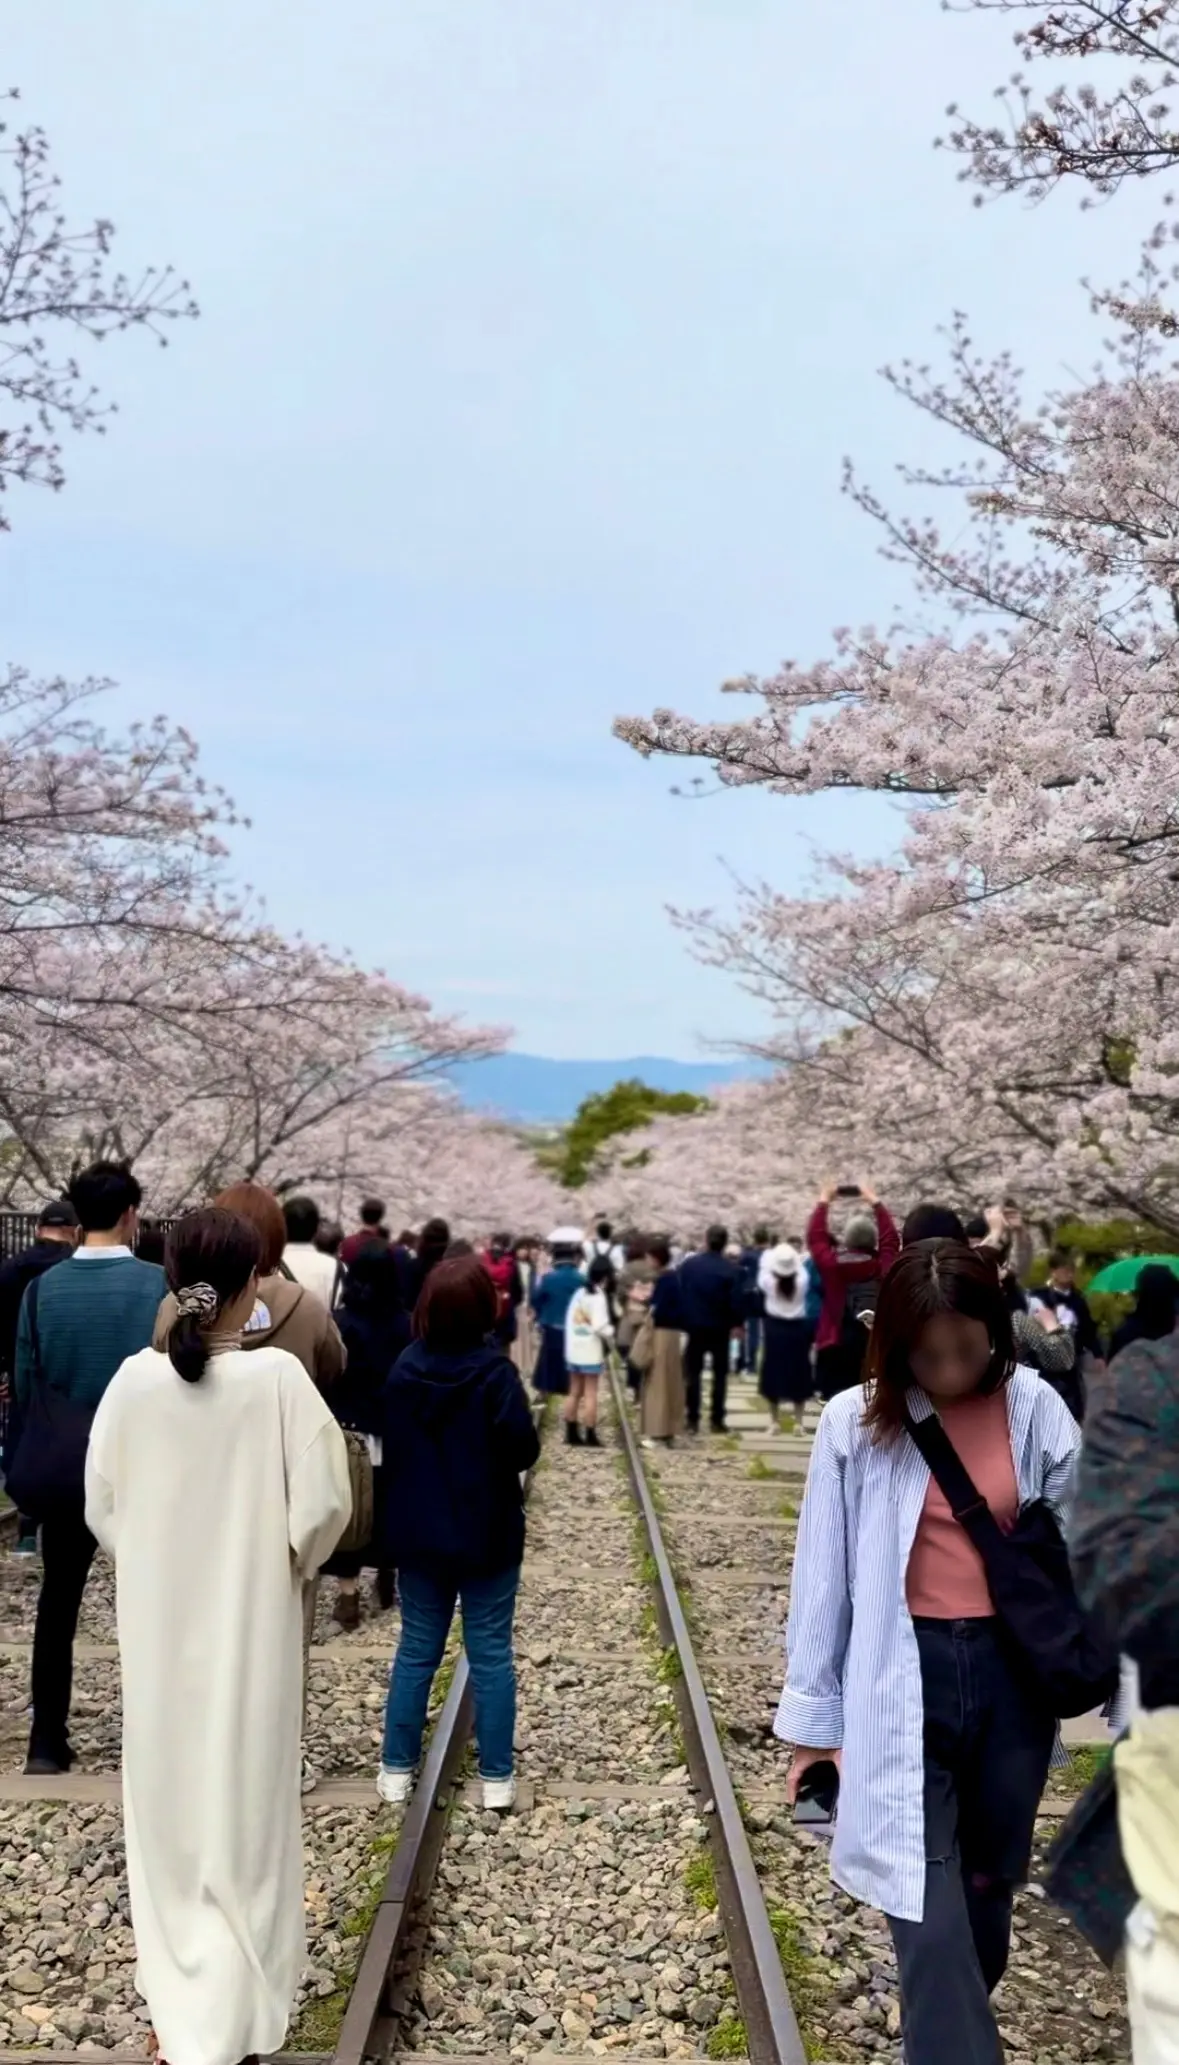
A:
[837,1270]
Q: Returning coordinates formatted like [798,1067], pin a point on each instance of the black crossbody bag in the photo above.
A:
[48,1467]
[1030,1583]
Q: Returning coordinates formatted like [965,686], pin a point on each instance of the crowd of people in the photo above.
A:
[234,1412]
[256,1403]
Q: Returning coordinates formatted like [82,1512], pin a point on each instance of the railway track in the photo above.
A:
[610,1781]
[649,1898]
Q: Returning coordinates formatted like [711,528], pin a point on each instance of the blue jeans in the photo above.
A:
[427,1609]
[752,1343]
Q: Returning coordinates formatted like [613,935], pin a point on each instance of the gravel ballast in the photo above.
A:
[67,1958]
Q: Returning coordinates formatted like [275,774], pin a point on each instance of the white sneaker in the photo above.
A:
[394,1787]
[499,1795]
[310,1777]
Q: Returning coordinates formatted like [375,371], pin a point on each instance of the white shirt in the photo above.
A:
[587,1329]
[316,1272]
[101,1254]
[853,1673]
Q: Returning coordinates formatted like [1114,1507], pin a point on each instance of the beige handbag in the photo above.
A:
[359,1531]
[642,1350]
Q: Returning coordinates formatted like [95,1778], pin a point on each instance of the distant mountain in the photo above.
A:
[536,1091]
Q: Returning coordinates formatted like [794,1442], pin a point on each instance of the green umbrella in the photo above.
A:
[1123,1275]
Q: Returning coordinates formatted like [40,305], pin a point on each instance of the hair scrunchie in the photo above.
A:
[198,1301]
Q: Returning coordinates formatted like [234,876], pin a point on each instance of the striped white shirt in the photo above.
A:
[853,1674]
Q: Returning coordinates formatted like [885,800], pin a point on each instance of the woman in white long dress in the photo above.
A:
[217,1479]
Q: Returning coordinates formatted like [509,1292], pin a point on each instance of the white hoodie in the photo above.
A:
[587,1329]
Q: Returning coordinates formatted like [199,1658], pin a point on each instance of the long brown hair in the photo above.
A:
[932,1277]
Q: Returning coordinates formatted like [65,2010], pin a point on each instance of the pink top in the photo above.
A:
[945,1579]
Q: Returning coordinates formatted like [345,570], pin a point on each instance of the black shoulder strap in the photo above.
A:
[950,1473]
[31,1297]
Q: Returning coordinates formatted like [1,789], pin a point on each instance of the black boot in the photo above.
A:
[591,1438]
[572,1434]
[386,1589]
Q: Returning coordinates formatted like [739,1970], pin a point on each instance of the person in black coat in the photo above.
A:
[1155,1311]
[457,1433]
[374,1327]
[56,1239]
[710,1304]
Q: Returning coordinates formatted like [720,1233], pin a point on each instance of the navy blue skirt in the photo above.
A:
[551,1373]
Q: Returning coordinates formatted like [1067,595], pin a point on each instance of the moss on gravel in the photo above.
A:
[807,1980]
[700,1880]
[318,2023]
[670,1669]
[727,2039]
[1084,1763]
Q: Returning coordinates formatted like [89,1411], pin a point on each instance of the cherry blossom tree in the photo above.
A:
[203,1059]
[55,279]
[480,1176]
[742,1159]
[1022,952]
[1110,120]
[146,1010]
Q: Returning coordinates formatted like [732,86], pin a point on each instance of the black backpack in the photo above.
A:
[609,1284]
[859,1305]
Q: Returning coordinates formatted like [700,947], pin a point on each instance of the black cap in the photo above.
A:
[58,1212]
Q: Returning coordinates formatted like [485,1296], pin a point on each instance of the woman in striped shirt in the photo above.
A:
[896,1667]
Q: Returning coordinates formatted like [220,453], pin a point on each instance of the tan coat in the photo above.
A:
[633,1273]
[661,1405]
[299,1322]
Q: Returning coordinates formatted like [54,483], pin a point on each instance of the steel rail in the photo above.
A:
[369,2023]
[771,2026]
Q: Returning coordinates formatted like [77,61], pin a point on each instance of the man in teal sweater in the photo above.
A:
[82,1321]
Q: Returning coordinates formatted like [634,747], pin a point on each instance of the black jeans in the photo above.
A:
[702,1341]
[67,1552]
[988,1743]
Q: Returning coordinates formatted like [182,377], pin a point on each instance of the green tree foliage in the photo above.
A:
[625,1108]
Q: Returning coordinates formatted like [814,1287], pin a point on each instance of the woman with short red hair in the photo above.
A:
[285,1315]
[457,1433]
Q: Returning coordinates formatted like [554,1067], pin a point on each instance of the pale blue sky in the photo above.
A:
[534,333]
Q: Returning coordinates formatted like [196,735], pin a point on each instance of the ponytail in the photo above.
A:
[188,1350]
[209,1260]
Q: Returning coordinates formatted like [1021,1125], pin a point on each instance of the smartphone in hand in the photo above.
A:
[817,1796]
